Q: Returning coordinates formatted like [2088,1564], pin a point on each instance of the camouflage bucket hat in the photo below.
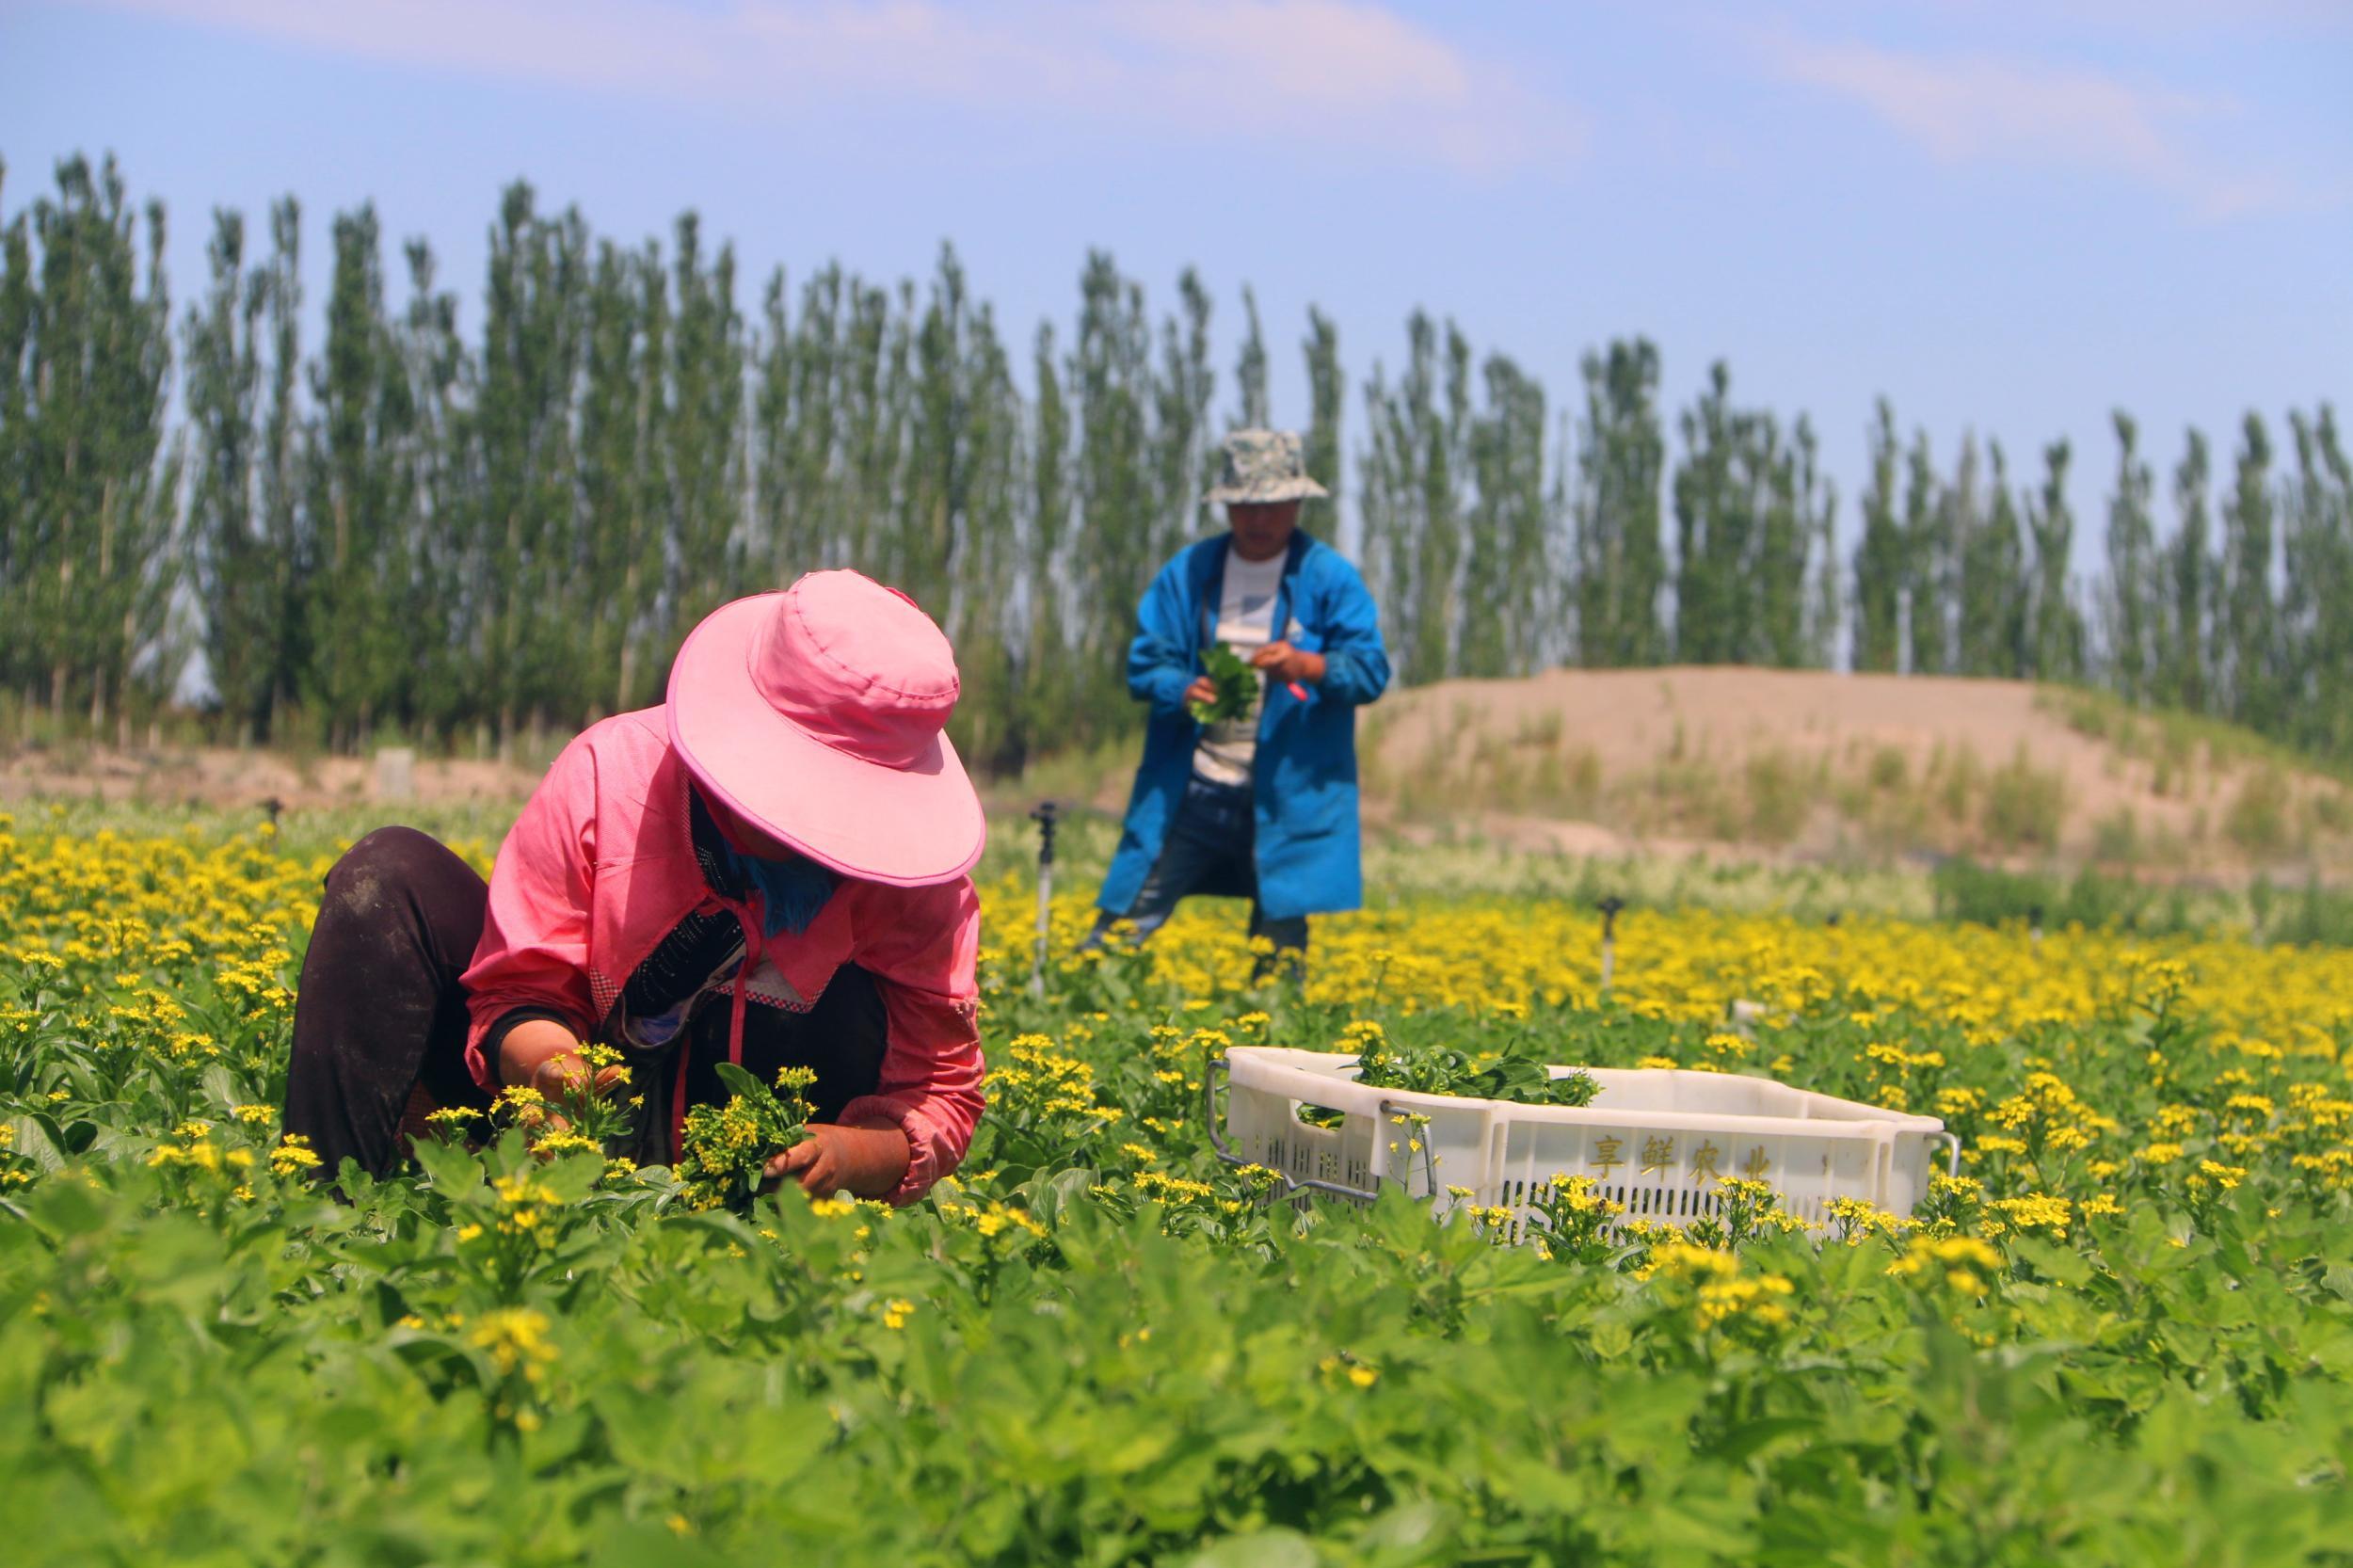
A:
[1261,466]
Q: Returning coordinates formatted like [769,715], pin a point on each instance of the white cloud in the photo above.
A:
[1977,107]
[1326,75]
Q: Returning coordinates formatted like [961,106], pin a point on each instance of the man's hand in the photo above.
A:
[1286,662]
[868,1162]
[1203,690]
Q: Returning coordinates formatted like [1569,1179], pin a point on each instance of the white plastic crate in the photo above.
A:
[1653,1140]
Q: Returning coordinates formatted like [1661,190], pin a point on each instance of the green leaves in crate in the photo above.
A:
[1516,1073]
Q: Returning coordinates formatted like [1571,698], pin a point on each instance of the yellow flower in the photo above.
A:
[515,1338]
[292,1156]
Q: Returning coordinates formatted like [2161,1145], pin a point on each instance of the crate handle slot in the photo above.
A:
[1214,1120]
[1429,1164]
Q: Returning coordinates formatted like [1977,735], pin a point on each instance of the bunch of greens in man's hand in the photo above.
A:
[1237,685]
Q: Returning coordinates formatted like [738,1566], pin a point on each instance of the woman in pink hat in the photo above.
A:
[771,868]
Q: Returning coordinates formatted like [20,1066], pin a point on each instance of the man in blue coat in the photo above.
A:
[1262,804]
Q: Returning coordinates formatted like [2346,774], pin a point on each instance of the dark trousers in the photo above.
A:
[381,1015]
[1211,848]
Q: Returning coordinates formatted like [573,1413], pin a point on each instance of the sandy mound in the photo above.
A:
[1807,764]
[234,780]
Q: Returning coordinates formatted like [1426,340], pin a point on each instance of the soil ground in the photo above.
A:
[1807,765]
[228,778]
[1778,766]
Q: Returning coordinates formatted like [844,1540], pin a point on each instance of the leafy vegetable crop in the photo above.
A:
[2124,1335]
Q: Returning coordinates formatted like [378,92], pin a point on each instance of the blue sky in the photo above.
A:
[2008,219]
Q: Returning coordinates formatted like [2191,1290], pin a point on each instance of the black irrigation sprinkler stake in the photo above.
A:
[1610,908]
[1047,814]
[273,806]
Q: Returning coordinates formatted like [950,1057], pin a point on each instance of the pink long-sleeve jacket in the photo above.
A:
[601,867]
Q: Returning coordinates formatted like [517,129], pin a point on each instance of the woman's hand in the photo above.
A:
[539,1053]
[1202,691]
[868,1162]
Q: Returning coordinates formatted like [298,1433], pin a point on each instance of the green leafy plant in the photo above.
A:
[1097,1342]
[1516,1073]
[726,1145]
[1237,684]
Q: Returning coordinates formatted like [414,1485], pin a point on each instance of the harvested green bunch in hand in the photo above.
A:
[1237,685]
[726,1145]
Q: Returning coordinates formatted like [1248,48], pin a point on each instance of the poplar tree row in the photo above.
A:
[2237,602]
[407,526]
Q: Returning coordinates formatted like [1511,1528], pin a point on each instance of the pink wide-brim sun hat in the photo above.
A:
[817,714]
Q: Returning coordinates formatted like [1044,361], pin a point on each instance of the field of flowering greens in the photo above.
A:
[2125,1336]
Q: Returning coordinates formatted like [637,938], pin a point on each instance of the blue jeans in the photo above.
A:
[1209,849]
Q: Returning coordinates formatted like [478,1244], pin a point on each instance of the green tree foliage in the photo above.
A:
[2248,601]
[2189,627]
[2131,590]
[624,421]
[284,525]
[1411,493]
[1509,573]
[958,545]
[1043,603]
[231,556]
[19,304]
[2055,625]
[2318,606]
[471,536]
[1878,562]
[1817,508]
[1961,502]
[1932,565]
[533,343]
[1250,370]
[1749,516]
[703,424]
[1109,381]
[1621,562]
[1992,565]
[443,552]
[94,490]
[1713,529]
[357,493]
[1326,392]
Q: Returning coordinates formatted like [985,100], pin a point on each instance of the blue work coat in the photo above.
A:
[1309,857]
